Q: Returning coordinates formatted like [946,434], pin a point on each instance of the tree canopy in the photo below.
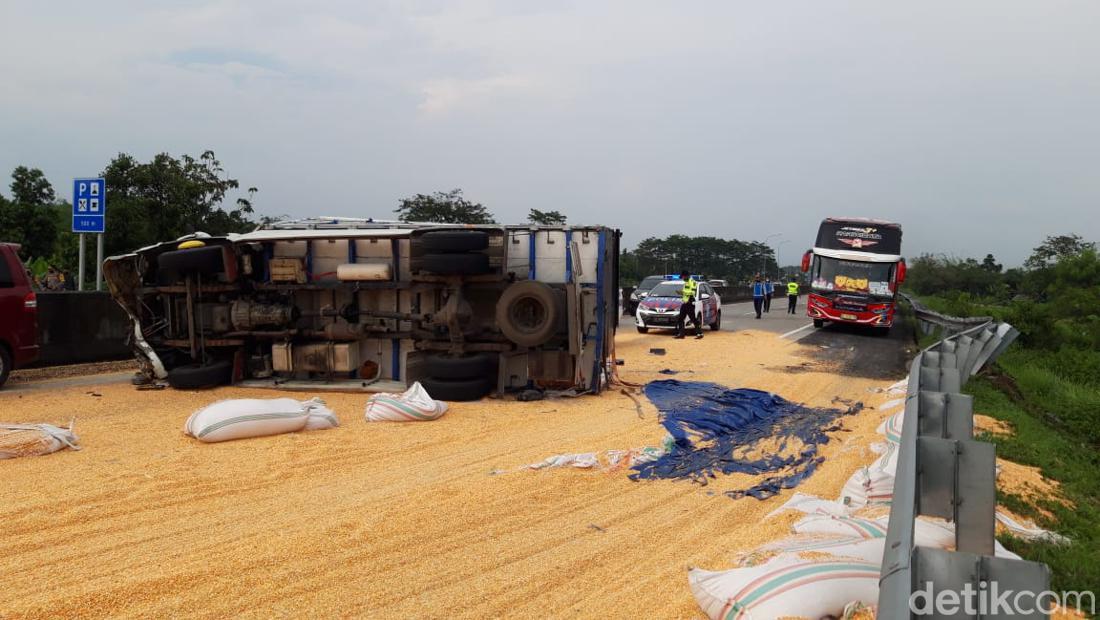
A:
[727,259]
[546,218]
[444,208]
[147,202]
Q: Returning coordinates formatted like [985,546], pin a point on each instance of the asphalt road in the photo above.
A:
[860,352]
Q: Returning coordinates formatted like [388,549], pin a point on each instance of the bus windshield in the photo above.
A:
[834,274]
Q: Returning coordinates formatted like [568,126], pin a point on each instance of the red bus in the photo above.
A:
[854,270]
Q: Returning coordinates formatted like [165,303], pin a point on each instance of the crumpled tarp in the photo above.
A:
[716,430]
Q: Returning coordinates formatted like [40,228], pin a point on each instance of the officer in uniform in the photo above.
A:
[687,307]
[758,295]
[792,295]
[769,290]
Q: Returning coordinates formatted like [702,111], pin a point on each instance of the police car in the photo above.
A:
[661,307]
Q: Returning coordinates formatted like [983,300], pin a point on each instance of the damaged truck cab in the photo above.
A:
[351,304]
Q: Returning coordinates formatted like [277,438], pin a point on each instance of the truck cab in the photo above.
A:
[18,313]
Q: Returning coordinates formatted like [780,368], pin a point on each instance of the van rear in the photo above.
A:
[18,313]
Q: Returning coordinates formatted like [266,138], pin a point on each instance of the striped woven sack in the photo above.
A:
[786,586]
[247,417]
[414,405]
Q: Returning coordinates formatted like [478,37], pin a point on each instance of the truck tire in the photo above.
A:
[204,260]
[198,377]
[446,241]
[473,264]
[458,390]
[5,364]
[528,313]
[476,366]
[819,323]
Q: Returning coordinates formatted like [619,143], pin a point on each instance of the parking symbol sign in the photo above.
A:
[89,205]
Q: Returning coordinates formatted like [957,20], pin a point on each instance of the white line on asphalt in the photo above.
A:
[795,331]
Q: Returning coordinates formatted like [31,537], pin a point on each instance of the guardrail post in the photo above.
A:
[956,481]
[946,415]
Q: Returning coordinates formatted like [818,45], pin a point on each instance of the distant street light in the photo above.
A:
[778,265]
[764,255]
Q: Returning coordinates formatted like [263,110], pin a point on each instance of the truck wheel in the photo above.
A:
[456,264]
[198,377]
[5,364]
[717,324]
[458,390]
[819,323]
[642,330]
[204,260]
[476,366]
[444,241]
[528,313]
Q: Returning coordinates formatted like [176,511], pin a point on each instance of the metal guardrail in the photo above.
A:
[929,319]
[943,472]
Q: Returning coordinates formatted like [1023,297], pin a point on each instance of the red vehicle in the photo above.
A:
[855,269]
[18,313]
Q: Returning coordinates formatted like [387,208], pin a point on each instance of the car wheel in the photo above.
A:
[717,324]
[207,260]
[478,365]
[198,377]
[444,241]
[528,312]
[642,329]
[819,323]
[5,364]
[458,390]
[881,332]
[456,264]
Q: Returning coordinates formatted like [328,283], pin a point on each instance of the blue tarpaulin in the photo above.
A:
[717,431]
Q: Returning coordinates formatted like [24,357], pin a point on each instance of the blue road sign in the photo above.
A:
[89,205]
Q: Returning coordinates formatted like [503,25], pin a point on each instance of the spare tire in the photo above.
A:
[198,377]
[443,241]
[458,390]
[473,264]
[528,313]
[473,366]
[204,260]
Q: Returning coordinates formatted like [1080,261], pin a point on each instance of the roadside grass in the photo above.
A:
[1060,454]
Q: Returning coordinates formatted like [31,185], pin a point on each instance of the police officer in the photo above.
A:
[687,307]
[769,290]
[792,295]
[758,295]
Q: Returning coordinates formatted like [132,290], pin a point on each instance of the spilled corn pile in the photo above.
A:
[392,519]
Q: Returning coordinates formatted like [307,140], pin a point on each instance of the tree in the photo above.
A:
[29,186]
[29,219]
[1057,247]
[443,208]
[546,218]
[167,198]
[990,264]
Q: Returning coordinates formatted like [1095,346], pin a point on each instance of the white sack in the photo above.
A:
[249,417]
[786,586]
[34,439]
[411,406]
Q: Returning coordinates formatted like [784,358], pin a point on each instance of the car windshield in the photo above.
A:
[834,274]
[667,289]
[650,282]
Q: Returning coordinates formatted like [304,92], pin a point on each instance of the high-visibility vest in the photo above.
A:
[792,288]
[689,289]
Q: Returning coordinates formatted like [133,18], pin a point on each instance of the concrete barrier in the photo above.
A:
[78,327]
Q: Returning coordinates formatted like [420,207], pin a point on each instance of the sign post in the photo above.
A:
[89,216]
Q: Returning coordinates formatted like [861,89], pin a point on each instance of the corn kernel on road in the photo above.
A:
[391,520]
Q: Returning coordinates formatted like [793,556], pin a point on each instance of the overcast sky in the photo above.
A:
[975,124]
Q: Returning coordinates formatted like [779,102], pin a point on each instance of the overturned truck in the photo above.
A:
[350,304]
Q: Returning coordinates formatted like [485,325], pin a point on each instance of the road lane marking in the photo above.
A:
[795,331]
